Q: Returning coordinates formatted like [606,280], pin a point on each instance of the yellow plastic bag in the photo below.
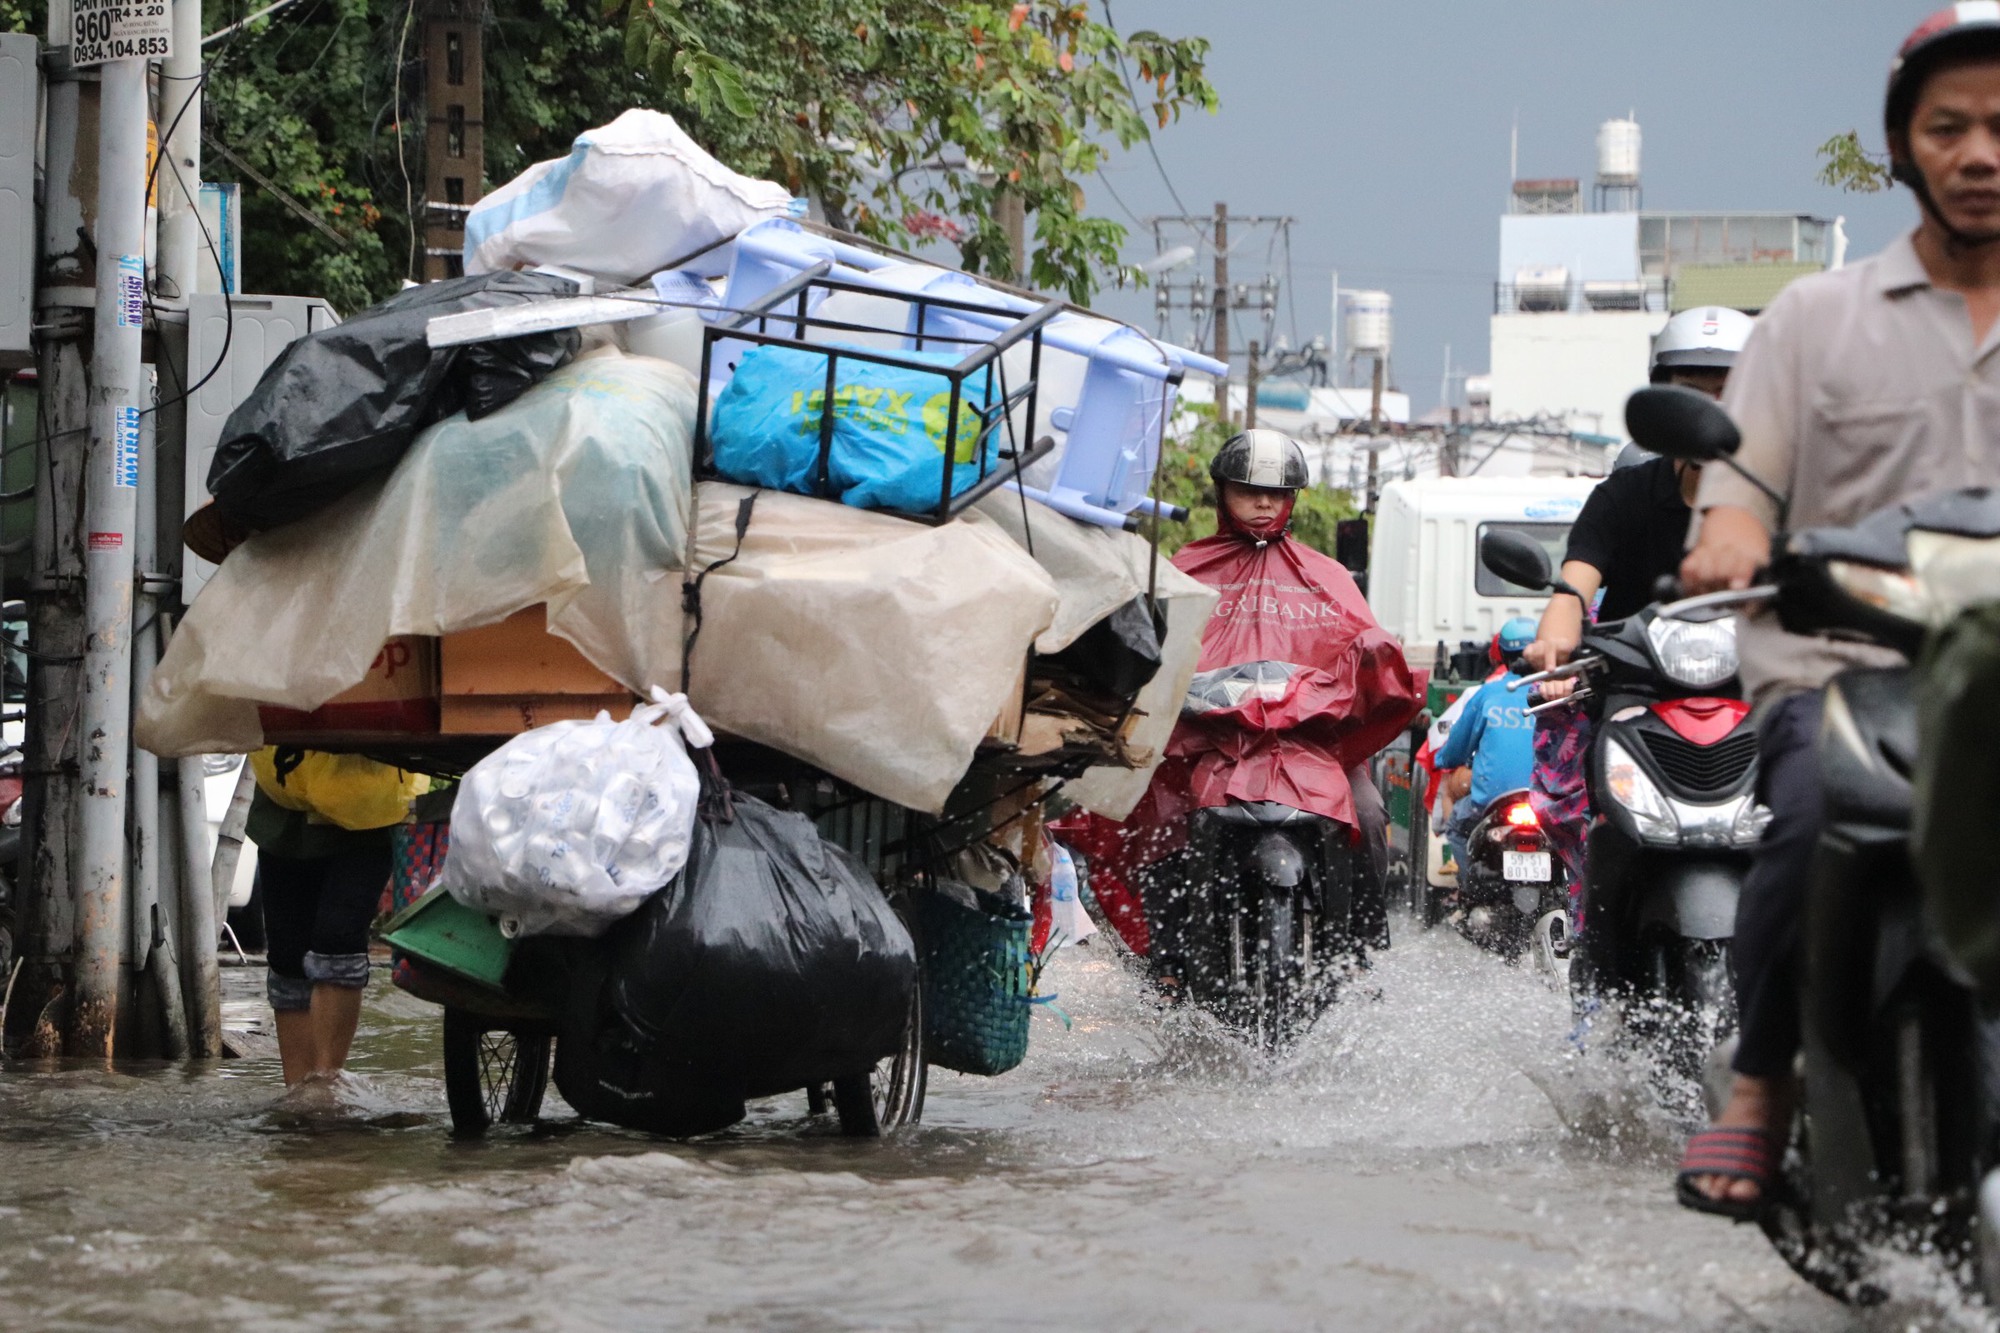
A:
[345,789]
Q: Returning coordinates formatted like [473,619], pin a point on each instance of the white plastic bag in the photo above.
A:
[632,197]
[1069,923]
[567,828]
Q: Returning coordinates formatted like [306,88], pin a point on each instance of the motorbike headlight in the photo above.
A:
[1638,794]
[1696,653]
[1752,818]
[1896,591]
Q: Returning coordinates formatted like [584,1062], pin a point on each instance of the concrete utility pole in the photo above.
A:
[454,131]
[65,274]
[1374,433]
[1251,375]
[111,481]
[1221,331]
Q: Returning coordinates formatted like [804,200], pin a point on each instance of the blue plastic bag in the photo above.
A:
[889,428]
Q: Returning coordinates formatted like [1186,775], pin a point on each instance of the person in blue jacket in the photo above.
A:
[1495,736]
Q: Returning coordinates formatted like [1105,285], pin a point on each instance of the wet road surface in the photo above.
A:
[1436,1155]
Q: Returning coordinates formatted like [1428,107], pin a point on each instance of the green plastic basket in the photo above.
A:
[978,981]
[440,930]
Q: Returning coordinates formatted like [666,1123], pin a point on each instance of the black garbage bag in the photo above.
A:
[772,963]
[341,405]
[1120,654]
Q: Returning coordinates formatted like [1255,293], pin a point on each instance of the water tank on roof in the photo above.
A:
[1368,323]
[1541,288]
[1618,152]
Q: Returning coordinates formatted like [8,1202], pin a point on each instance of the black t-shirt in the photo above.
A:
[1633,529]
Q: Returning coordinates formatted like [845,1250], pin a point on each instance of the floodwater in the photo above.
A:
[1436,1155]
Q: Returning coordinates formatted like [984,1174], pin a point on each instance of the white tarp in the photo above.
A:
[575,495]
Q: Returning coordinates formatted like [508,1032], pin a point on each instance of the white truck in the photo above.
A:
[1425,582]
[1427,587]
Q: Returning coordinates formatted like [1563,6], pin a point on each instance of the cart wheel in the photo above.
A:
[891,1094]
[492,1072]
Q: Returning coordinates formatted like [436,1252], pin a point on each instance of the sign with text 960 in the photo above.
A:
[106,30]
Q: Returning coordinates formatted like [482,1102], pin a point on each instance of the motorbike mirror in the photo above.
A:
[1681,423]
[1515,557]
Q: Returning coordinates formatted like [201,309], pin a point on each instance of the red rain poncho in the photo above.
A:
[1289,740]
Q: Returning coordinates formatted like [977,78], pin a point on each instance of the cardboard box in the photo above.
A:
[399,695]
[514,676]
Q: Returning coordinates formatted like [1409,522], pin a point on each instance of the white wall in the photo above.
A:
[1579,367]
[1594,247]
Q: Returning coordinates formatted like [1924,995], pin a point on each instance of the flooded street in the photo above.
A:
[1435,1157]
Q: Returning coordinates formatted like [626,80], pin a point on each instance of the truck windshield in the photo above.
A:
[1554,538]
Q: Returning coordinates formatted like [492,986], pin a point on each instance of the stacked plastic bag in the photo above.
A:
[568,828]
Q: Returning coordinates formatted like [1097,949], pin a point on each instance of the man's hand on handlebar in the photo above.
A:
[1734,546]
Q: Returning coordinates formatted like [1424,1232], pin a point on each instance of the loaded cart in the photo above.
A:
[874,523]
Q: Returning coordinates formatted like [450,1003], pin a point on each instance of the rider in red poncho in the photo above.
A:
[1296,688]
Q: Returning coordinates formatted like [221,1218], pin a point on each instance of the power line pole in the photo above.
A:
[111,480]
[1374,433]
[454,130]
[1221,330]
[1250,377]
[46,915]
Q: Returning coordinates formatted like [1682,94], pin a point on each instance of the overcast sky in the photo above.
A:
[1383,129]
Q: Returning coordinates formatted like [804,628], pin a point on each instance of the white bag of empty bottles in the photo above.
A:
[567,828]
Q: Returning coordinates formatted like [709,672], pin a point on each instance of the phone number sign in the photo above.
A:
[106,30]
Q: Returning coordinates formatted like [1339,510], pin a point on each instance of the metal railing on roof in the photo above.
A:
[1571,296]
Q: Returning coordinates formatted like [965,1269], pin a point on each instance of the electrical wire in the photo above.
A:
[1112,190]
[402,162]
[1132,92]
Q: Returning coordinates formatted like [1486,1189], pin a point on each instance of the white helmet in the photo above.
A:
[1705,338]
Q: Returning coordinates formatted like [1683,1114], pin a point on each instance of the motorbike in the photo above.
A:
[1512,892]
[1672,780]
[1256,920]
[1895,1126]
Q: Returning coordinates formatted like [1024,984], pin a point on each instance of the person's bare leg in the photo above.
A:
[298,1044]
[1754,1103]
[335,1014]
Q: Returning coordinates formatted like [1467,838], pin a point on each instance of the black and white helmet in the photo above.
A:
[1705,338]
[1266,458]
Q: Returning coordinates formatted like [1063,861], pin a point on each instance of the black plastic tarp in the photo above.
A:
[773,962]
[341,405]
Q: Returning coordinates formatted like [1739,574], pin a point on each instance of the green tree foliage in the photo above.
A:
[1846,165]
[905,119]
[856,103]
[1183,480]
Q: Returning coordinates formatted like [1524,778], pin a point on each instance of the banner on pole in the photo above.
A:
[101,31]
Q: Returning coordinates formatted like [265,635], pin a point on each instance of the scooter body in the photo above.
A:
[1254,922]
[1895,1129]
[1672,774]
[1512,890]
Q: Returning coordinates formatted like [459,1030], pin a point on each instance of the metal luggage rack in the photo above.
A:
[983,358]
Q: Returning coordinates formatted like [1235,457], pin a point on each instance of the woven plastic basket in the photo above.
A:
[977,983]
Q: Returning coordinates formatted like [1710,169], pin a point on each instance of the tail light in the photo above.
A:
[1522,815]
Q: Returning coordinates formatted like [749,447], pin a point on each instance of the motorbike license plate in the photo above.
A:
[1528,867]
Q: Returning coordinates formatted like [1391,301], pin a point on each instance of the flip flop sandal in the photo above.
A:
[1734,1154]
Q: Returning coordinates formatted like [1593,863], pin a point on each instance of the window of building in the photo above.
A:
[454,59]
[454,131]
[454,189]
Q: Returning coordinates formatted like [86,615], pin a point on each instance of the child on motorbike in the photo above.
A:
[1494,738]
